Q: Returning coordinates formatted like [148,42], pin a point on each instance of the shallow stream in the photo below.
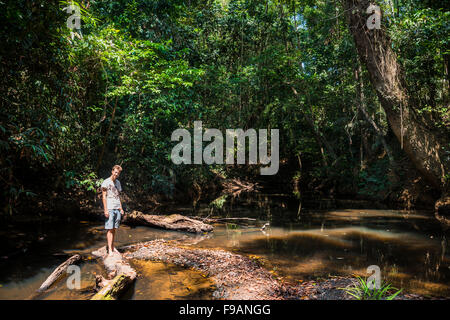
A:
[410,247]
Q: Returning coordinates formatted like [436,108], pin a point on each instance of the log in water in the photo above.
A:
[174,222]
[120,275]
[58,272]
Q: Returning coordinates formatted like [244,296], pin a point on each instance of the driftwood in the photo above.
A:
[209,220]
[120,276]
[237,220]
[62,268]
[236,186]
[175,222]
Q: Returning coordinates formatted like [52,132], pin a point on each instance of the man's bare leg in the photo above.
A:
[113,236]
[110,240]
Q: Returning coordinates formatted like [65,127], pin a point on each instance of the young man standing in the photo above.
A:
[112,206]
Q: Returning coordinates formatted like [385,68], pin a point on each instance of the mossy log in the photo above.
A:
[175,222]
[120,273]
[62,268]
[114,288]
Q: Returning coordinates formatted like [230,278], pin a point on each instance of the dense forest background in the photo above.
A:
[362,113]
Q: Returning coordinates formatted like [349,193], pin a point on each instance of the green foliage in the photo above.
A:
[232,226]
[362,290]
[75,103]
[421,39]
[88,181]
[374,180]
[219,202]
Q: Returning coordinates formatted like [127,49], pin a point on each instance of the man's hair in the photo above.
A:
[117,167]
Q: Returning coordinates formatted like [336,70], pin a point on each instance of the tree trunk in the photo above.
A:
[322,141]
[375,51]
[363,108]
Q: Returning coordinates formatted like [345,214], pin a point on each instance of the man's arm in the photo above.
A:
[105,207]
[120,201]
[121,210]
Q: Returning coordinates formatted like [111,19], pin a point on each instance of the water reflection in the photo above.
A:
[159,281]
[346,242]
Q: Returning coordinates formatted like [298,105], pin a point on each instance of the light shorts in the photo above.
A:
[113,221]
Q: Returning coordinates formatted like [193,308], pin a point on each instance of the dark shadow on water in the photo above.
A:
[26,249]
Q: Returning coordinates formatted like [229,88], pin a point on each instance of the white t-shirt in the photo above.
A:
[112,193]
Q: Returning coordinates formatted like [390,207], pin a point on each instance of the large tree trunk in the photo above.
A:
[363,108]
[375,51]
[321,140]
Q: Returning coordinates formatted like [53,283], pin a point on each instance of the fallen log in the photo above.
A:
[120,276]
[62,268]
[113,288]
[175,222]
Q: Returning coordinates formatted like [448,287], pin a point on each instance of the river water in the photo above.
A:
[411,249]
